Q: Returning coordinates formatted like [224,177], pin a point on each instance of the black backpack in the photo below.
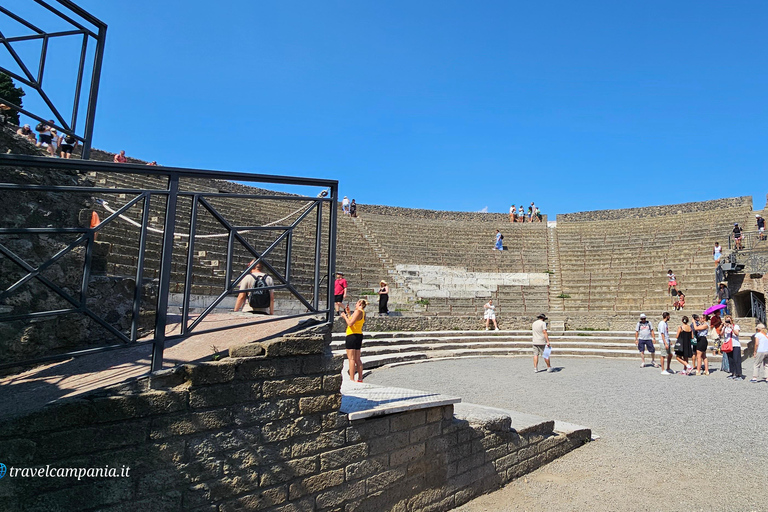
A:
[40,127]
[259,299]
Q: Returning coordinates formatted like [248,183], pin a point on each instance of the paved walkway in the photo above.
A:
[34,388]
[666,442]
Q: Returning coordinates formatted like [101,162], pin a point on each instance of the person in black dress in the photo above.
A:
[684,353]
[383,298]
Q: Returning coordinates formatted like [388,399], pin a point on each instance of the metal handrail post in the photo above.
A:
[161,314]
[332,249]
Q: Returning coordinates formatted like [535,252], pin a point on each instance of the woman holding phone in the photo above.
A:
[354,339]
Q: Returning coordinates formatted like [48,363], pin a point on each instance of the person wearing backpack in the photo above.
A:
[258,300]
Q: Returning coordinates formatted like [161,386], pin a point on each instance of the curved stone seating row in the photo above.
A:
[388,348]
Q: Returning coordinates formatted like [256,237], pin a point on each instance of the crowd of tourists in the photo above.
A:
[691,342]
[45,136]
[520,215]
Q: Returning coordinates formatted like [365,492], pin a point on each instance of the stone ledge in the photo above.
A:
[361,401]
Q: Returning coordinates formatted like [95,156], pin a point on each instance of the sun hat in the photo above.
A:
[542,316]
[642,315]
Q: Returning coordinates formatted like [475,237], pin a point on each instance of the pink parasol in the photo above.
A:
[712,309]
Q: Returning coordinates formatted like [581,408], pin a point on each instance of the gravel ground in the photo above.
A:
[666,442]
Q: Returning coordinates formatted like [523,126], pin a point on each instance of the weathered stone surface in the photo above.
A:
[189,423]
[316,483]
[292,387]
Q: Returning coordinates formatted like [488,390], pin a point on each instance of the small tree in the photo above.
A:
[9,92]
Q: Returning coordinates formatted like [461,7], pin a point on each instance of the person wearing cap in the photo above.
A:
[339,291]
[644,340]
[760,226]
[26,131]
[761,354]
[724,295]
[737,236]
[540,341]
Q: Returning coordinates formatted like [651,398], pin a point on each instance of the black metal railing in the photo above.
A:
[749,241]
[757,307]
[160,215]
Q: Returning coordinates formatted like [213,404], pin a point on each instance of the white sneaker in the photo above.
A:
[496,329]
[666,372]
[535,370]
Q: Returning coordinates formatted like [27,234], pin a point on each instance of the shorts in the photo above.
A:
[353,341]
[67,148]
[673,283]
[538,350]
[46,138]
[643,344]
[717,257]
[701,344]
[489,316]
[665,351]
[338,298]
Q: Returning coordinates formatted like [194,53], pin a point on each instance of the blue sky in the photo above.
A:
[447,105]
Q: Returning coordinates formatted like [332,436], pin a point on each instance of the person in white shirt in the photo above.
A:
[345,205]
[761,354]
[490,315]
[665,348]
[731,333]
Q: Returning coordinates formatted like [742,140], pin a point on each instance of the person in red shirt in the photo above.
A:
[120,157]
[339,291]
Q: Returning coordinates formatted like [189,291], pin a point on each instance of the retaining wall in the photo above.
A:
[657,211]
[261,430]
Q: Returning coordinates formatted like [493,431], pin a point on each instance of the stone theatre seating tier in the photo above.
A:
[620,264]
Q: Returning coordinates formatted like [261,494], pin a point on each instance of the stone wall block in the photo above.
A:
[381,481]
[367,467]
[214,372]
[228,441]
[364,430]
[303,505]
[226,394]
[321,403]
[190,423]
[340,494]
[424,499]
[291,347]
[58,445]
[17,452]
[265,411]
[289,470]
[286,429]
[424,432]
[470,463]
[121,407]
[316,483]
[332,383]
[343,456]
[407,420]
[322,364]
[259,500]
[388,443]
[169,500]
[169,378]
[335,420]
[292,387]
[317,443]
[407,454]
[96,494]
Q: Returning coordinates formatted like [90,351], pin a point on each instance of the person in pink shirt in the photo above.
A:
[120,157]
[339,291]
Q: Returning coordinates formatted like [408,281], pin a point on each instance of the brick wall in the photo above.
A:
[259,433]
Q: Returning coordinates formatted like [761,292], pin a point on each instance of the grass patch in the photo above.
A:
[593,329]
[368,292]
[563,296]
[550,272]
[423,302]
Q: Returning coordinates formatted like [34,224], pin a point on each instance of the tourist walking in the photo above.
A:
[354,340]
[490,315]
[761,354]
[353,209]
[724,295]
[67,145]
[644,340]
[760,226]
[665,349]
[731,341]
[499,237]
[540,342]
[737,236]
[512,214]
[683,348]
[717,253]
[339,291]
[383,298]
[259,301]
[700,331]
[345,205]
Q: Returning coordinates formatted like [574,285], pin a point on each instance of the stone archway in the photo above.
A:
[742,303]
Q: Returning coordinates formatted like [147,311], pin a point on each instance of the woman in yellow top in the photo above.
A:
[354,340]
